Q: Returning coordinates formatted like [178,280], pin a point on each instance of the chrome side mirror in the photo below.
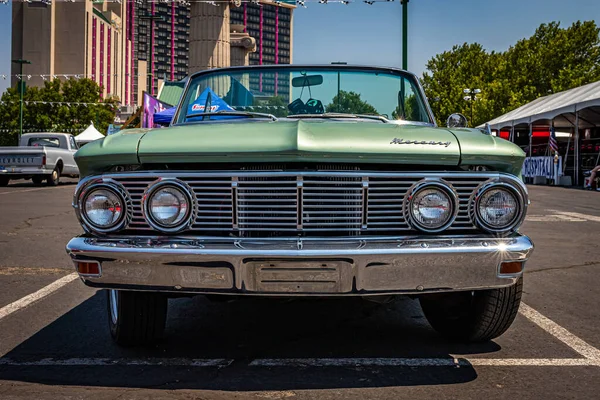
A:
[457,121]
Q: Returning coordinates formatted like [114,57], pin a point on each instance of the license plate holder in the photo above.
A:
[299,276]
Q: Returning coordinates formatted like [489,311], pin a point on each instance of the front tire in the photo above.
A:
[136,318]
[474,316]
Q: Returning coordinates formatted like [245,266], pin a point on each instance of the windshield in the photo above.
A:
[289,91]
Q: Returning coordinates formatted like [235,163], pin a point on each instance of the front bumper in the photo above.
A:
[350,266]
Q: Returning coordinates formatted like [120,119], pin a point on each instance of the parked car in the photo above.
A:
[39,157]
[352,191]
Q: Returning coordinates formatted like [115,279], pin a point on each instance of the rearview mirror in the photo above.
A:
[307,80]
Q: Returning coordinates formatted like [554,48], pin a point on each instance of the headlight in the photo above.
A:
[431,207]
[103,208]
[168,206]
[498,208]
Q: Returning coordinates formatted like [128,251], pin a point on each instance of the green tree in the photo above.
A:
[552,60]
[46,108]
[350,103]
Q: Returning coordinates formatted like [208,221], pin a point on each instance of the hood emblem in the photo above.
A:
[429,142]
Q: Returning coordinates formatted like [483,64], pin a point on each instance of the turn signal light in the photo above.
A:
[88,267]
[512,267]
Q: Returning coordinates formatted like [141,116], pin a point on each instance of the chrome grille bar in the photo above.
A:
[309,203]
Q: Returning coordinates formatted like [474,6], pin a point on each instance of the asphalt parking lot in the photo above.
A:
[54,341]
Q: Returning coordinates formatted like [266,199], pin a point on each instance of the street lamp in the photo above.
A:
[152,18]
[21,84]
[471,95]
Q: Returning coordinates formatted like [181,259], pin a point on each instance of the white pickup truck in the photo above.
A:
[39,157]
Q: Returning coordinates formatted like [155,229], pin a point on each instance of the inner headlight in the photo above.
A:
[431,208]
[498,208]
[103,208]
[168,207]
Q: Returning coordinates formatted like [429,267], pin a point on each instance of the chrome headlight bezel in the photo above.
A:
[115,188]
[185,190]
[438,184]
[517,192]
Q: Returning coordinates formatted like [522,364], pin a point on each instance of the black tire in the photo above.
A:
[140,317]
[54,177]
[37,180]
[474,316]
[4,181]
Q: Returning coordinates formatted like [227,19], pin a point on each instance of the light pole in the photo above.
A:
[152,18]
[21,84]
[404,34]
[471,95]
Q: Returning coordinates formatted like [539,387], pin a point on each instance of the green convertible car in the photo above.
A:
[290,181]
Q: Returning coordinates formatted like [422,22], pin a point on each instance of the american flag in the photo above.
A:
[552,141]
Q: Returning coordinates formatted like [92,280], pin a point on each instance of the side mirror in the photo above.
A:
[457,121]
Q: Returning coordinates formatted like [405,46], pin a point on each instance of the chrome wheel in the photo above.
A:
[113,298]
[54,175]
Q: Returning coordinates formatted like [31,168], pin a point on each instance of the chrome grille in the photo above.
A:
[259,203]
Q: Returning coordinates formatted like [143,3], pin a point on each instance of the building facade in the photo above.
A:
[110,42]
[76,40]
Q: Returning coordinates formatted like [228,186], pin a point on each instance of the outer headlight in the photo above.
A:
[103,208]
[431,207]
[498,208]
[168,206]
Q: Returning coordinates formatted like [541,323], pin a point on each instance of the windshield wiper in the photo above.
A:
[232,113]
[342,115]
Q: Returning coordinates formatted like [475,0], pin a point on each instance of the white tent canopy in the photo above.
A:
[564,104]
[89,135]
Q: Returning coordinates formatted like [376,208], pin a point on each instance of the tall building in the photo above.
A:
[81,39]
[110,42]
[271,26]
[169,24]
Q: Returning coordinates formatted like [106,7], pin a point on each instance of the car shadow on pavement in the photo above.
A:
[244,331]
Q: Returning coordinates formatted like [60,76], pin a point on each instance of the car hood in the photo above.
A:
[322,140]
[301,140]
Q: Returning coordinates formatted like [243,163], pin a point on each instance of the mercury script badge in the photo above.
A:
[430,142]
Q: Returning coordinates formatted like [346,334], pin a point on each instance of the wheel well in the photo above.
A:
[59,165]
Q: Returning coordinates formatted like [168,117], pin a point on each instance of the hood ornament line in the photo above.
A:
[427,142]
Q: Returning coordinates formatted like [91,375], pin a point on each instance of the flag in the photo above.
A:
[552,141]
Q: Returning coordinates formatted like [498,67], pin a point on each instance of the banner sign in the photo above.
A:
[541,166]
[152,106]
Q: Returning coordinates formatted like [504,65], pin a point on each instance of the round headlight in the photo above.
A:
[103,208]
[498,208]
[168,207]
[432,208]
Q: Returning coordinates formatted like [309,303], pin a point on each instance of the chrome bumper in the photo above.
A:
[25,171]
[301,267]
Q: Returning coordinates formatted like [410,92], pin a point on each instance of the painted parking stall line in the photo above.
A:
[36,296]
[579,345]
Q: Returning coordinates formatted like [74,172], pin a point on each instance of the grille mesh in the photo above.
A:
[284,204]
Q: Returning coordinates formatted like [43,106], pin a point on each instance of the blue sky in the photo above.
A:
[361,34]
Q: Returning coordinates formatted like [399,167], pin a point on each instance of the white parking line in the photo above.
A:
[34,190]
[578,215]
[589,352]
[33,297]
[102,362]
[304,362]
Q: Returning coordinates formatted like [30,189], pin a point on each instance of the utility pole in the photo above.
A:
[471,95]
[404,34]
[21,84]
